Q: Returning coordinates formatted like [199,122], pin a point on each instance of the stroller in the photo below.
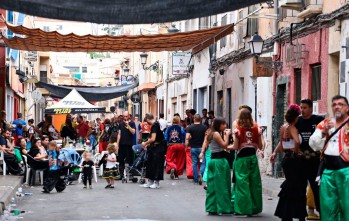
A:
[71,161]
[138,166]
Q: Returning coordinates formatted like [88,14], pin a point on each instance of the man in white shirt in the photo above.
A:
[334,194]
[162,122]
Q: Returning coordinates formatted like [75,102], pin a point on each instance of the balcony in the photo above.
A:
[311,8]
[291,4]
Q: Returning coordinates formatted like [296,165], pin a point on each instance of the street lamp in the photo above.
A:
[256,46]
[126,70]
[153,67]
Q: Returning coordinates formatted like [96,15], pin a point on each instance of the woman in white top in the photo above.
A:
[292,202]
[110,172]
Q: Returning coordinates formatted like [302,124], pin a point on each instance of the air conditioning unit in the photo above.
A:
[290,4]
[315,108]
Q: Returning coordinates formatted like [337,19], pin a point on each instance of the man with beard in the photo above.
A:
[7,146]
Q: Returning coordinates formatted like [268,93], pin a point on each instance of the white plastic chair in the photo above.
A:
[2,161]
[28,169]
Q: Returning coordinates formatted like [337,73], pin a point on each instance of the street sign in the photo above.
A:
[112,109]
[135,98]
[36,95]
[180,63]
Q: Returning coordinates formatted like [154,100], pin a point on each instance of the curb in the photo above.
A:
[8,188]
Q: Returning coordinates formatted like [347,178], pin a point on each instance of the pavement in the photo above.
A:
[8,187]
[175,200]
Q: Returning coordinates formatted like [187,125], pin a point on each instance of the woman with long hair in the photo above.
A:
[248,184]
[292,197]
[218,194]
[156,149]
[48,128]
[105,136]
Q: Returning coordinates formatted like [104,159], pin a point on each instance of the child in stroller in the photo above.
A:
[138,166]
[71,161]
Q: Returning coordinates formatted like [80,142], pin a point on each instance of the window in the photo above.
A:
[223,41]
[316,82]
[46,28]
[252,23]
[84,69]
[298,83]
[73,69]
[213,48]
[204,23]
[59,27]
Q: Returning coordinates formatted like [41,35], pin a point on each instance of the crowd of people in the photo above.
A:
[315,150]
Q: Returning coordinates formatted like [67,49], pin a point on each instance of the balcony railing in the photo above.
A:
[312,2]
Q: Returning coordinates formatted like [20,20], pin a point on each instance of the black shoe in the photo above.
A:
[107,186]
[213,214]
[172,174]
[200,180]
[205,187]
[84,187]
[45,191]
[111,187]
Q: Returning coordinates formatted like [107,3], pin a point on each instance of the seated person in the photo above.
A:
[39,157]
[7,146]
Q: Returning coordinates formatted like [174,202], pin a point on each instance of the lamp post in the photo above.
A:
[256,46]
[254,83]
[153,67]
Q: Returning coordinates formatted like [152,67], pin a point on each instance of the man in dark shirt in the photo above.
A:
[306,126]
[125,141]
[195,137]
[7,146]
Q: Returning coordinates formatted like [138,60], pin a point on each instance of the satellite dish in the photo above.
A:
[36,95]
[42,100]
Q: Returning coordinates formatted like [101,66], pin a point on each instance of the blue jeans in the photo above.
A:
[195,152]
[93,141]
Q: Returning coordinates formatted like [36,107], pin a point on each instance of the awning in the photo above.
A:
[125,12]
[73,103]
[39,40]
[89,93]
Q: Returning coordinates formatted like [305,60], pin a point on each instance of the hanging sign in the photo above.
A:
[260,70]
[135,98]
[180,63]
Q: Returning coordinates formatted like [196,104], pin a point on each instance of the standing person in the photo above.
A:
[3,122]
[292,201]
[52,175]
[156,149]
[175,156]
[205,119]
[105,135]
[306,126]
[211,117]
[125,141]
[189,119]
[248,184]
[145,130]
[218,194]
[138,130]
[334,186]
[93,135]
[68,130]
[21,126]
[86,166]
[31,131]
[47,128]
[162,122]
[195,137]
[110,171]
[82,130]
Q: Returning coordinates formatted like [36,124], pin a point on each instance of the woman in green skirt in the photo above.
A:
[218,194]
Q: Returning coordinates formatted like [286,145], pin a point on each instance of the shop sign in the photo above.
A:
[180,63]
[261,70]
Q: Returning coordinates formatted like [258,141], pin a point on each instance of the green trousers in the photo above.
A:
[248,186]
[207,158]
[218,194]
[334,195]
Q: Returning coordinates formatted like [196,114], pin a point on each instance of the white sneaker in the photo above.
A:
[148,184]
[155,185]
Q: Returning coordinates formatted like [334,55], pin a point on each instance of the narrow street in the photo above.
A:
[175,200]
